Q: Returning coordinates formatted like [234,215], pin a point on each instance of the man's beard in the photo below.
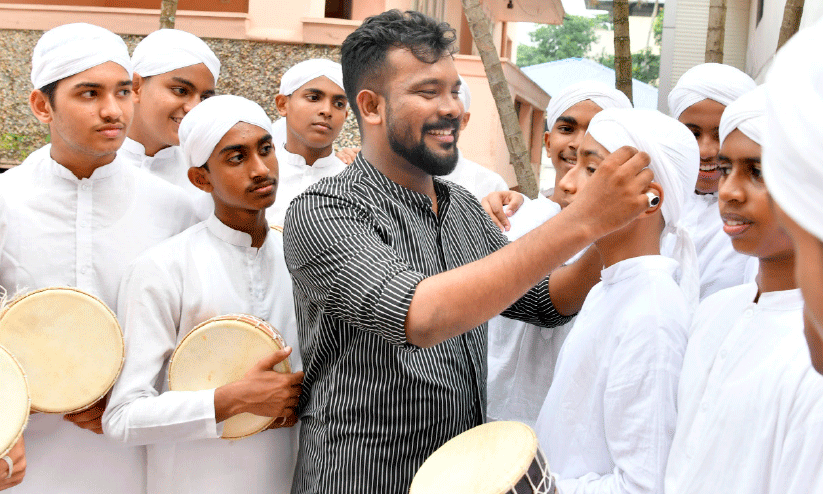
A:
[420,155]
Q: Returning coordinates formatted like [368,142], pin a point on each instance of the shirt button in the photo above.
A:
[704,406]
[83,270]
[748,313]
[723,353]
[85,186]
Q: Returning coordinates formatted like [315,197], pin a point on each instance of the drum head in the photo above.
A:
[487,459]
[69,343]
[221,351]
[14,395]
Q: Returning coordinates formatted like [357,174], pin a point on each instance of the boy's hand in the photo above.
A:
[500,205]
[90,419]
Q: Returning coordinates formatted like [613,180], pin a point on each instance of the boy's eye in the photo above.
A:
[312,97]
[179,91]
[124,92]
[266,149]
[757,173]
[725,168]
[235,158]
[339,105]
[591,169]
[565,129]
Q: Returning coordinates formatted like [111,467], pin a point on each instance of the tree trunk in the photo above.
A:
[791,20]
[518,150]
[168,9]
[622,47]
[716,32]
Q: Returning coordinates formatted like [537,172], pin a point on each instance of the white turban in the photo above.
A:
[171,49]
[674,155]
[72,48]
[464,94]
[599,93]
[207,123]
[310,70]
[714,81]
[793,151]
[747,114]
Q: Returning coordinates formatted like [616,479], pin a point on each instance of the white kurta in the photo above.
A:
[63,231]
[750,404]
[295,177]
[607,421]
[522,356]
[208,270]
[476,178]
[720,265]
[170,165]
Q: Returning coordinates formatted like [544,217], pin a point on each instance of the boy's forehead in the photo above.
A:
[323,83]
[582,111]
[108,73]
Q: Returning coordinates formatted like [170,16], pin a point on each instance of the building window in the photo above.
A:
[338,9]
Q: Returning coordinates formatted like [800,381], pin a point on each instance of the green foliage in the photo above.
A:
[572,39]
[15,147]
[645,65]
[657,28]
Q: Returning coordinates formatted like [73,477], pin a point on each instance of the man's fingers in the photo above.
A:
[268,362]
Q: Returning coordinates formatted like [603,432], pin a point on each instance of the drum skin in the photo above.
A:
[220,351]
[14,395]
[68,342]
[492,458]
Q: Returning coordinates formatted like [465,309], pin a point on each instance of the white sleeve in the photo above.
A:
[138,413]
[797,465]
[639,411]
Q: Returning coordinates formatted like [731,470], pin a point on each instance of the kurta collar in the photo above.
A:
[136,148]
[630,268]
[227,234]
[99,173]
[784,300]
[299,161]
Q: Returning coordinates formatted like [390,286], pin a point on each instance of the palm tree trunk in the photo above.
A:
[622,47]
[168,10]
[791,20]
[716,32]
[518,150]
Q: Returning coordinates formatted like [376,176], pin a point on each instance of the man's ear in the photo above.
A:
[136,88]
[199,176]
[368,102]
[280,102]
[465,120]
[547,139]
[40,106]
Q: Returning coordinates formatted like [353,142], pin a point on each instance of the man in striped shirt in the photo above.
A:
[396,272]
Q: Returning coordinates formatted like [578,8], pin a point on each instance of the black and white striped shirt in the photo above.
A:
[374,407]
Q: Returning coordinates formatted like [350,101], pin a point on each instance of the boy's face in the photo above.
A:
[808,272]
[161,102]
[703,119]
[744,201]
[91,114]
[589,156]
[242,170]
[315,113]
[564,137]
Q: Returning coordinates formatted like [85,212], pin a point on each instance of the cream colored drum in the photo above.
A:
[493,458]
[69,344]
[14,396]
[220,351]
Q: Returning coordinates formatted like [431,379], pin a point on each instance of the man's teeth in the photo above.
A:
[440,132]
[734,222]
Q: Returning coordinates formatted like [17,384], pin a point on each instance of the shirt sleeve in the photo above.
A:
[340,265]
[138,411]
[797,464]
[639,409]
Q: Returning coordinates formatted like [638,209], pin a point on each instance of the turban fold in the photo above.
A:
[171,49]
[205,125]
[793,148]
[674,157]
[747,114]
[72,48]
[599,93]
[714,81]
[300,74]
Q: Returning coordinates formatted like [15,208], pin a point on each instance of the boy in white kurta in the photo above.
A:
[77,215]
[606,423]
[313,105]
[698,101]
[522,356]
[230,263]
[747,383]
[793,154]
[173,72]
